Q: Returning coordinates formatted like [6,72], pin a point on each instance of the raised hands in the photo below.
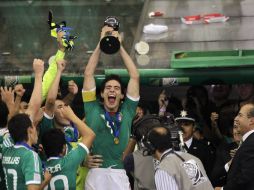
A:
[7,95]
[67,113]
[163,100]
[61,64]
[72,87]
[38,67]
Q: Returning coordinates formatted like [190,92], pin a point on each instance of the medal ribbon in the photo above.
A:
[75,131]
[115,125]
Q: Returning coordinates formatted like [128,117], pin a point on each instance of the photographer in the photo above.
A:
[142,167]
[177,170]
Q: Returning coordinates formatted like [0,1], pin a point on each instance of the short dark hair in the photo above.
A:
[112,77]
[3,114]
[53,142]
[160,138]
[18,126]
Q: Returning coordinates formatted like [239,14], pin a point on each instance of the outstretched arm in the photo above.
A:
[51,98]
[36,98]
[7,96]
[89,81]
[73,90]
[133,85]
[19,91]
[50,74]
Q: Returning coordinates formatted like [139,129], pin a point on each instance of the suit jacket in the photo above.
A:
[241,171]
[202,151]
[219,174]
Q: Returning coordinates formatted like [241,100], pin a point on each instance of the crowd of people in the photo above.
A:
[201,141]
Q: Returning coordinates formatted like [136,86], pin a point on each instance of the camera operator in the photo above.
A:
[176,170]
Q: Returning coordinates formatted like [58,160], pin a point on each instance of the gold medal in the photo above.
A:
[116,140]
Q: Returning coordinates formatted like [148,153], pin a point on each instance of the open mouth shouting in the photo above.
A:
[111,99]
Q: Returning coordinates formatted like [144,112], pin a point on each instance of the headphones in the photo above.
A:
[149,147]
[138,124]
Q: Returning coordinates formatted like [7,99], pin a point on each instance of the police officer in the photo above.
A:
[186,122]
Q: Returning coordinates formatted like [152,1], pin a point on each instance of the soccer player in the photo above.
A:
[111,121]
[62,166]
[21,164]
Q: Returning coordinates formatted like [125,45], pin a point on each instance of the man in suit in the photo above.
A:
[224,155]
[186,121]
[241,171]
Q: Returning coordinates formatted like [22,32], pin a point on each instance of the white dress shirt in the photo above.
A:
[245,136]
[188,142]
[163,180]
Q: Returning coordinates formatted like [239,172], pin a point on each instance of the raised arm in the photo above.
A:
[7,95]
[36,98]
[89,81]
[85,132]
[73,90]
[50,74]
[19,91]
[52,94]
[133,85]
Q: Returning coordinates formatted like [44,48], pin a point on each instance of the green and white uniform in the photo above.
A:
[104,141]
[22,166]
[111,174]
[64,169]
[3,133]
[45,125]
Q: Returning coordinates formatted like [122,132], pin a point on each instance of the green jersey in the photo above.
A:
[21,165]
[64,169]
[3,132]
[45,125]
[104,142]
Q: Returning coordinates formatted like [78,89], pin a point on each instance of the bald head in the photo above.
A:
[160,138]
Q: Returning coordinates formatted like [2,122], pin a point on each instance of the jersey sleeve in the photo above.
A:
[32,169]
[75,157]
[7,142]
[130,107]
[91,108]
[50,74]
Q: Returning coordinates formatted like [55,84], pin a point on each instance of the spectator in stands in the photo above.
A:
[245,93]
[223,115]
[168,104]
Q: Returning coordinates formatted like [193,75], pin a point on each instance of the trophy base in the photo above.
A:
[109,45]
